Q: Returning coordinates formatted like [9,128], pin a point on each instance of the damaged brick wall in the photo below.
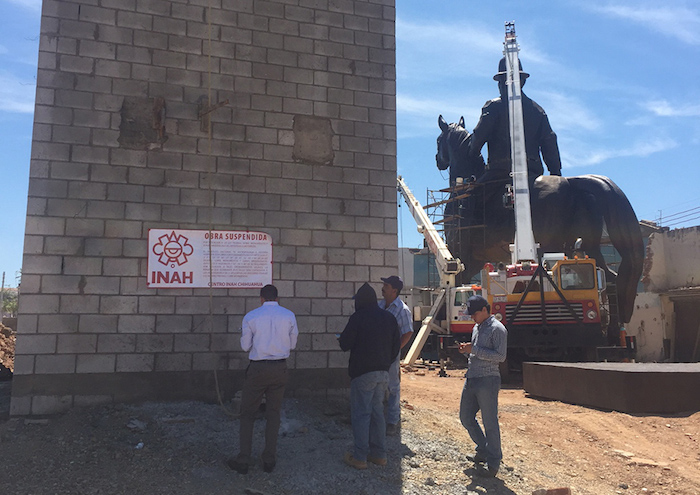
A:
[142,124]
[300,143]
[671,260]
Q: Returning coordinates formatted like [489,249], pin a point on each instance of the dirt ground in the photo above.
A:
[167,448]
[551,444]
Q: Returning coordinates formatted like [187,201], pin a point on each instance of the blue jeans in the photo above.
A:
[367,413]
[482,394]
[393,403]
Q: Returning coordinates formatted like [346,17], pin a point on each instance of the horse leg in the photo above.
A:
[589,227]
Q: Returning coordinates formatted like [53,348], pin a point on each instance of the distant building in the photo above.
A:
[666,320]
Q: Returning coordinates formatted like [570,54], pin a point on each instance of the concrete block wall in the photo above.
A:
[305,150]
[651,323]
[662,269]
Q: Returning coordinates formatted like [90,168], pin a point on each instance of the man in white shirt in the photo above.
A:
[394,304]
[268,333]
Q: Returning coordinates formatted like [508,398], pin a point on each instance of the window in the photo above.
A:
[577,276]
[461,297]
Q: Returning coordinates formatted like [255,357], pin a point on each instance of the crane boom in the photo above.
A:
[524,247]
[448,266]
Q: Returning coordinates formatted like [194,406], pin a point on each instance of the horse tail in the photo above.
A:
[625,235]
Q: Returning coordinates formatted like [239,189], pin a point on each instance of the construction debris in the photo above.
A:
[7,352]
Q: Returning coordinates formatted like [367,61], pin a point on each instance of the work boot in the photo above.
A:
[486,472]
[351,461]
[379,461]
[393,429]
[476,458]
[236,465]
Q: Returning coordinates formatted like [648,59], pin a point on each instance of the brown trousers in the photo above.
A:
[268,379]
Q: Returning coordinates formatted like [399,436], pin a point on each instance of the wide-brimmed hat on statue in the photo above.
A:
[502,70]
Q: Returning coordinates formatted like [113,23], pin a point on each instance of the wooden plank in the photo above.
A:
[424,331]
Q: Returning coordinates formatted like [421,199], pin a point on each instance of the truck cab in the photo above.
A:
[549,316]
[460,323]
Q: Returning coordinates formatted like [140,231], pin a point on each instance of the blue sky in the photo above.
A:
[618,79]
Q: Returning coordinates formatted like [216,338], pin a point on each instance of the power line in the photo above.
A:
[683,204]
[681,213]
[683,221]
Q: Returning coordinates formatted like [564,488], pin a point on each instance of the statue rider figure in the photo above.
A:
[493,128]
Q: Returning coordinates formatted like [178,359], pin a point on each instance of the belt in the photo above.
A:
[270,361]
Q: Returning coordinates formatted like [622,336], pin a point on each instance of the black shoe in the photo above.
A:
[476,458]
[237,466]
[268,467]
[486,472]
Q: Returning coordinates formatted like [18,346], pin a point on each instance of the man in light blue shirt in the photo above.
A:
[487,349]
[268,333]
[394,305]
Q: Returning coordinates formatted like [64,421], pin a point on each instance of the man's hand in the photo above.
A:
[465,347]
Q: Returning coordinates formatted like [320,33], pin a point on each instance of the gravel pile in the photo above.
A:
[166,448]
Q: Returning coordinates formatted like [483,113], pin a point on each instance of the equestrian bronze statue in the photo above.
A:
[564,209]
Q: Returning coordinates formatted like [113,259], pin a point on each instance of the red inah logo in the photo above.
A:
[173,249]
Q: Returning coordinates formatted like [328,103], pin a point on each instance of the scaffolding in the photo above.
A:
[456,221]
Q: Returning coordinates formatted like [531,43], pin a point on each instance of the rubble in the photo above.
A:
[7,352]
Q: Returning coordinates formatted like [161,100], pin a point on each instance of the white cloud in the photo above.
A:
[418,116]
[428,52]
[449,36]
[672,20]
[663,108]
[449,107]
[34,5]
[640,121]
[459,49]
[16,95]
[567,113]
[640,149]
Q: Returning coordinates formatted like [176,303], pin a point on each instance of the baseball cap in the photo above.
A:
[394,281]
[476,303]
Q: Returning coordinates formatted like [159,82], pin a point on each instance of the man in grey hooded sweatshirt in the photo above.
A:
[372,337]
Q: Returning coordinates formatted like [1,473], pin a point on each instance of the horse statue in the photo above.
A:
[564,209]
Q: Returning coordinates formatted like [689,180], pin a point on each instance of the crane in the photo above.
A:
[448,266]
[524,247]
[454,298]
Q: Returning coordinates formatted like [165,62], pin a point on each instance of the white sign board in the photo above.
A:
[180,258]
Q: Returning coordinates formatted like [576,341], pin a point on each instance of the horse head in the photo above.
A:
[444,151]
[453,151]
